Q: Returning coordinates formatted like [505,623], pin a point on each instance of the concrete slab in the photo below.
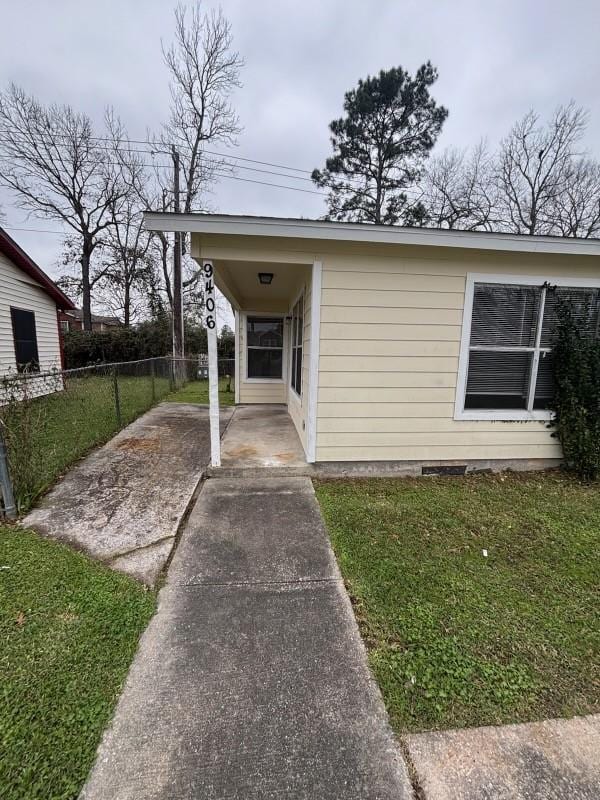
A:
[261,436]
[254,531]
[247,686]
[549,760]
[123,503]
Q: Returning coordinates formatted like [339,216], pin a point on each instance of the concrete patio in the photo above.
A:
[261,437]
[123,503]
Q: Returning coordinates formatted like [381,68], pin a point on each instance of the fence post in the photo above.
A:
[172,375]
[152,375]
[117,398]
[10,509]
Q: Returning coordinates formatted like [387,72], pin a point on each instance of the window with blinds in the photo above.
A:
[513,328]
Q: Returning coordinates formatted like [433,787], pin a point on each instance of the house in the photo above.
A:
[73,321]
[30,303]
[403,347]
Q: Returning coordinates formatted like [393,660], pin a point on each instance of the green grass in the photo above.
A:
[197,392]
[69,629]
[456,638]
[47,434]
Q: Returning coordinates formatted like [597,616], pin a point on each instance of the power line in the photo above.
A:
[149,147]
[216,166]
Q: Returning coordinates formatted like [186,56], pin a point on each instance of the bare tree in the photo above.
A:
[576,209]
[127,268]
[458,190]
[204,70]
[57,169]
[533,169]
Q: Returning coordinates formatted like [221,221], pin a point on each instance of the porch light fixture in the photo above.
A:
[265,278]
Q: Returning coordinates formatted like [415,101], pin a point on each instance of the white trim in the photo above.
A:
[267,315]
[460,413]
[366,232]
[313,375]
[534,280]
[301,294]
[238,354]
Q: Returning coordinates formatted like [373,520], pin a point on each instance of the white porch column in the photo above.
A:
[315,342]
[210,309]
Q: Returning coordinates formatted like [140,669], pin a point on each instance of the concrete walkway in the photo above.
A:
[550,760]
[123,503]
[251,681]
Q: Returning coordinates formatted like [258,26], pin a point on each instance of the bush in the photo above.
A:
[151,339]
[576,359]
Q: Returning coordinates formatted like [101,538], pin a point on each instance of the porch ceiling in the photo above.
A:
[238,280]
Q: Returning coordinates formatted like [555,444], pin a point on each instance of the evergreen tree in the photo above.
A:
[379,147]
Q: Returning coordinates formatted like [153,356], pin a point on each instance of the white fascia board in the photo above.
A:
[220,224]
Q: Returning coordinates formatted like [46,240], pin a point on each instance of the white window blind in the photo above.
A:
[513,328]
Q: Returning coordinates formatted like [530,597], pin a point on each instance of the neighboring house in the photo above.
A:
[29,306]
[73,321]
[411,346]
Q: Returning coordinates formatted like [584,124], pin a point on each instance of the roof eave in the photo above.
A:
[367,233]
[19,257]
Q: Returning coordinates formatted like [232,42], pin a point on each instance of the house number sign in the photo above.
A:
[209,294]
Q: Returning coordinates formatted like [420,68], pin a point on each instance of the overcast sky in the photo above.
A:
[496,60]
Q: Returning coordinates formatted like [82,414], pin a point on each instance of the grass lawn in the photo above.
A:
[47,434]
[197,392]
[456,638]
[69,629]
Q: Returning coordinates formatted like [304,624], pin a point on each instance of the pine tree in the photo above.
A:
[379,147]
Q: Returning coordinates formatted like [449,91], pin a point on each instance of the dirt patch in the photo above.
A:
[285,456]
[135,443]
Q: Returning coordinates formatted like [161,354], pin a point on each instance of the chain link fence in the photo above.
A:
[48,420]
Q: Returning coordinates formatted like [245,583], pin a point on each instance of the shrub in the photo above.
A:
[150,339]
[576,359]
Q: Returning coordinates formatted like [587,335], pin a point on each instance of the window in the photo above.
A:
[265,347]
[508,372]
[25,339]
[64,325]
[297,336]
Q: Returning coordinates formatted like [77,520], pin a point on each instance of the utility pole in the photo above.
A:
[177,282]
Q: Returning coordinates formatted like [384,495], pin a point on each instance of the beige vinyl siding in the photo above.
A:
[258,391]
[297,406]
[18,290]
[389,355]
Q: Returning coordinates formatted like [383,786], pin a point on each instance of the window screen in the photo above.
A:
[265,347]
[513,329]
[25,339]
[297,336]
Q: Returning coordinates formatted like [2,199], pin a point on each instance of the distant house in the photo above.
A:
[73,321]
[30,303]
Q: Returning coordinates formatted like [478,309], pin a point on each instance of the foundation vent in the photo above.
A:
[444,469]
